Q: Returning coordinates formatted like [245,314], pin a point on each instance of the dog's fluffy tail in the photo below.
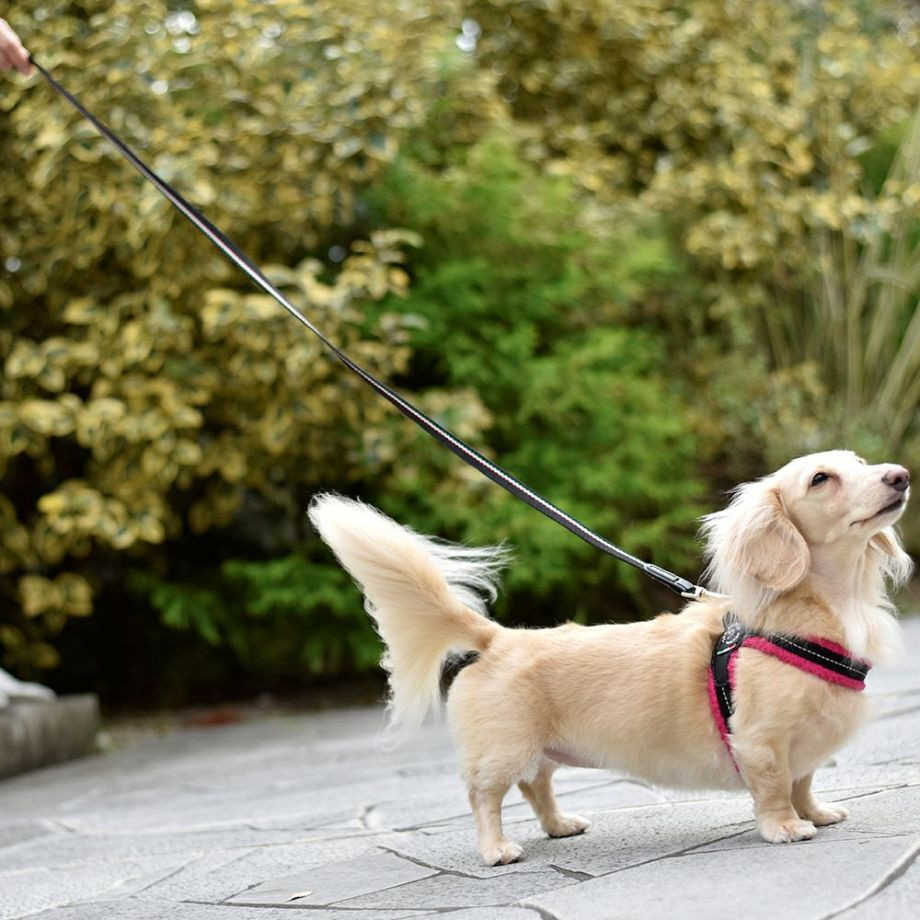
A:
[426,597]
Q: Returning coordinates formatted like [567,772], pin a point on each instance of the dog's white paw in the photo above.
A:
[568,826]
[501,855]
[787,831]
[821,814]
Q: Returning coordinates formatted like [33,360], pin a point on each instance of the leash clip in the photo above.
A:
[699,593]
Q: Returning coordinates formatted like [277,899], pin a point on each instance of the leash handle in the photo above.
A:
[459,447]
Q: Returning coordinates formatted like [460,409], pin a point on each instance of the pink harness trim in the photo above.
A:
[764,645]
[832,677]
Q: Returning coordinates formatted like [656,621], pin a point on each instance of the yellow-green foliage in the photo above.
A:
[146,389]
[744,124]
[148,393]
[743,120]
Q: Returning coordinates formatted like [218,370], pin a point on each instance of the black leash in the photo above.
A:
[466,453]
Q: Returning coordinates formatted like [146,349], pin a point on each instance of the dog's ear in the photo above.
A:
[895,564]
[755,538]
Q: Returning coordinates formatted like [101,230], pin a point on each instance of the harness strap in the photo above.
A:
[816,656]
[458,446]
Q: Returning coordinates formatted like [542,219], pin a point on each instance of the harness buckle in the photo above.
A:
[731,639]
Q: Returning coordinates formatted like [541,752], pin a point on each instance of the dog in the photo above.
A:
[808,551]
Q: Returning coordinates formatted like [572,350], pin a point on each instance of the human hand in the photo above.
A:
[12,54]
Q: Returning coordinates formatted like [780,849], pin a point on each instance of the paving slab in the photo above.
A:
[308,816]
[23,893]
[223,873]
[444,892]
[325,885]
[896,894]
[782,881]
[131,910]
[486,913]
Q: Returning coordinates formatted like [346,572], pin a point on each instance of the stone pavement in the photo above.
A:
[304,816]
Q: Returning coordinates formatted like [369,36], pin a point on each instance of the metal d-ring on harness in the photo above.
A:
[463,450]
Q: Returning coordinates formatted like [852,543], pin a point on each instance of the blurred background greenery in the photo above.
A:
[636,250]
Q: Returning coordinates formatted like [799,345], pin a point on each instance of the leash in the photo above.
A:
[459,447]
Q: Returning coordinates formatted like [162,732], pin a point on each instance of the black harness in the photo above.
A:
[816,656]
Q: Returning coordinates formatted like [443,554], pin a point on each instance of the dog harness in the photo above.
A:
[819,657]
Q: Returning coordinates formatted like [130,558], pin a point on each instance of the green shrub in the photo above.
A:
[280,619]
[747,127]
[612,210]
[522,298]
[508,352]
[147,392]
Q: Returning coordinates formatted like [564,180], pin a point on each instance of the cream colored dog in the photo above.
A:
[806,551]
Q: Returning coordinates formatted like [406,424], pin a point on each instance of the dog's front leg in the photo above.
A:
[494,848]
[809,808]
[765,769]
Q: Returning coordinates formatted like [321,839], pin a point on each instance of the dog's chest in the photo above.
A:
[809,720]
[819,722]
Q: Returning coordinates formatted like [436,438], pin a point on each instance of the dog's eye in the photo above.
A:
[818,478]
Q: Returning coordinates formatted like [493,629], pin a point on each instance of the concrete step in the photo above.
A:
[35,734]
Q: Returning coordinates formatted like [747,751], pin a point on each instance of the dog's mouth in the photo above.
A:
[896,505]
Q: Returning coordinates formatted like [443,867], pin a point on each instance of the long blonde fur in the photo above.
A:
[426,597]
[756,553]
[795,555]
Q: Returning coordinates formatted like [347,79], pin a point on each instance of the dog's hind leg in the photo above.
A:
[494,847]
[539,792]
[499,745]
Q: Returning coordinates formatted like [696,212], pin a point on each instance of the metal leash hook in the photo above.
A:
[464,451]
[699,593]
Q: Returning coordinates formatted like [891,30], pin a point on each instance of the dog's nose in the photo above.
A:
[898,478]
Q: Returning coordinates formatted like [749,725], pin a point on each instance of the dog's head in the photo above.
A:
[830,508]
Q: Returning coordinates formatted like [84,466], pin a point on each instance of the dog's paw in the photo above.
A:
[568,826]
[821,814]
[774,831]
[501,855]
